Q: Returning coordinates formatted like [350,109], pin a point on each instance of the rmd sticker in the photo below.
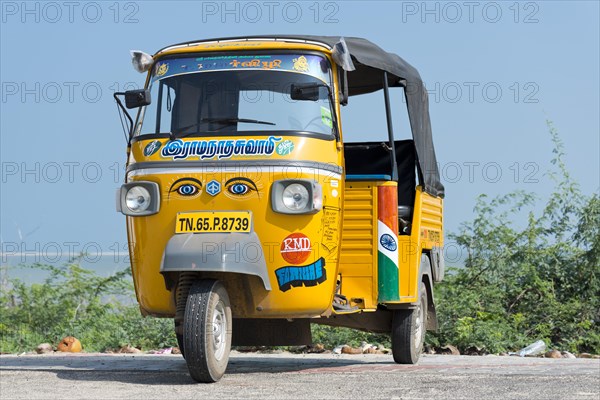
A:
[296,248]
[308,275]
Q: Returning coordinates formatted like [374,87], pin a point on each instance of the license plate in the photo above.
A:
[209,221]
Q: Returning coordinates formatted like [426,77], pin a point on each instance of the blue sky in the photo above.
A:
[495,71]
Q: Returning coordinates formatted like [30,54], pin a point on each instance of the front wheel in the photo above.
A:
[207,331]
[408,331]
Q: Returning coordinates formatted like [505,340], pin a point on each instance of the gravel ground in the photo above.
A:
[291,376]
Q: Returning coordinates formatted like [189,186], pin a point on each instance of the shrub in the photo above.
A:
[521,284]
[75,301]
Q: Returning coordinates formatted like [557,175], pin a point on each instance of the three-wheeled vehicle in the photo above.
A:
[249,218]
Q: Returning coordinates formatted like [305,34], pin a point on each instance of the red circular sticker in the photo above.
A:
[295,248]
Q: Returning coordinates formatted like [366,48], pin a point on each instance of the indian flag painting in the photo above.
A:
[387,259]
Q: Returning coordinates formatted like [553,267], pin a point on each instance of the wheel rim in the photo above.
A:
[219,330]
[419,327]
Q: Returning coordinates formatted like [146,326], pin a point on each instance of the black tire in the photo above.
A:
[408,331]
[207,331]
[180,344]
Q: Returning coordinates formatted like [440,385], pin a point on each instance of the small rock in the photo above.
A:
[584,355]
[167,350]
[337,349]
[566,354]
[298,349]
[69,344]
[427,349]
[473,351]
[128,350]
[368,348]
[553,354]
[316,348]
[364,346]
[44,348]
[351,350]
[503,354]
[176,350]
[449,350]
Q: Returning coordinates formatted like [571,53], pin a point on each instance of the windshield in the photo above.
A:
[224,95]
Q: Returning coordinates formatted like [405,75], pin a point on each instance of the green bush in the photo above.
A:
[74,301]
[526,276]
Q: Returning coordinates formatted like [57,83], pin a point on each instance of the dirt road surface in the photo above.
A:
[291,376]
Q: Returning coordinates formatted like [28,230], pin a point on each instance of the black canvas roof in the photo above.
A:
[371,61]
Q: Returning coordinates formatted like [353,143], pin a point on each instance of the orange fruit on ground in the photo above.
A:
[69,344]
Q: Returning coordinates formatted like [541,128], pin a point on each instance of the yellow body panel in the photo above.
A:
[358,266]
[358,258]
[427,225]
[149,235]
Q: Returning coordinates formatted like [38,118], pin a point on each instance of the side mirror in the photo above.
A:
[306,91]
[137,98]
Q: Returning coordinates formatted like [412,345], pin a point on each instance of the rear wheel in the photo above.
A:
[408,331]
[207,331]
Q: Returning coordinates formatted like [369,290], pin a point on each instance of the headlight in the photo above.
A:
[296,196]
[139,198]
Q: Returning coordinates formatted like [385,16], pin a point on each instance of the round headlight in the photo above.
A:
[295,197]
[137,199]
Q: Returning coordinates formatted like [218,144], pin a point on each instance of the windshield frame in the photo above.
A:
[137,136]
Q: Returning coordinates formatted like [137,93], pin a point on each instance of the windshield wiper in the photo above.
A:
[227,121]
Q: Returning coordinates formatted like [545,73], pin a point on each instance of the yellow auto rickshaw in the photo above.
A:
[249,218]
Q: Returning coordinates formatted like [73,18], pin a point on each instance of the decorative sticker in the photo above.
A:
[296,248]
[388,242]
[209,149]
[186,187]
[301,64]
[330,239]
[213,188]
[311,64]
[430,235]
[241,188]
[284,148]
[307,275]
[152,148]
[255,63]
[326,117]
[162,69]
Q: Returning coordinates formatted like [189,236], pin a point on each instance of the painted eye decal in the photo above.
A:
[240,186]
[238,189]
[186,187]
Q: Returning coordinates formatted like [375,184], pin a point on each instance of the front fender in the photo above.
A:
[216,252]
